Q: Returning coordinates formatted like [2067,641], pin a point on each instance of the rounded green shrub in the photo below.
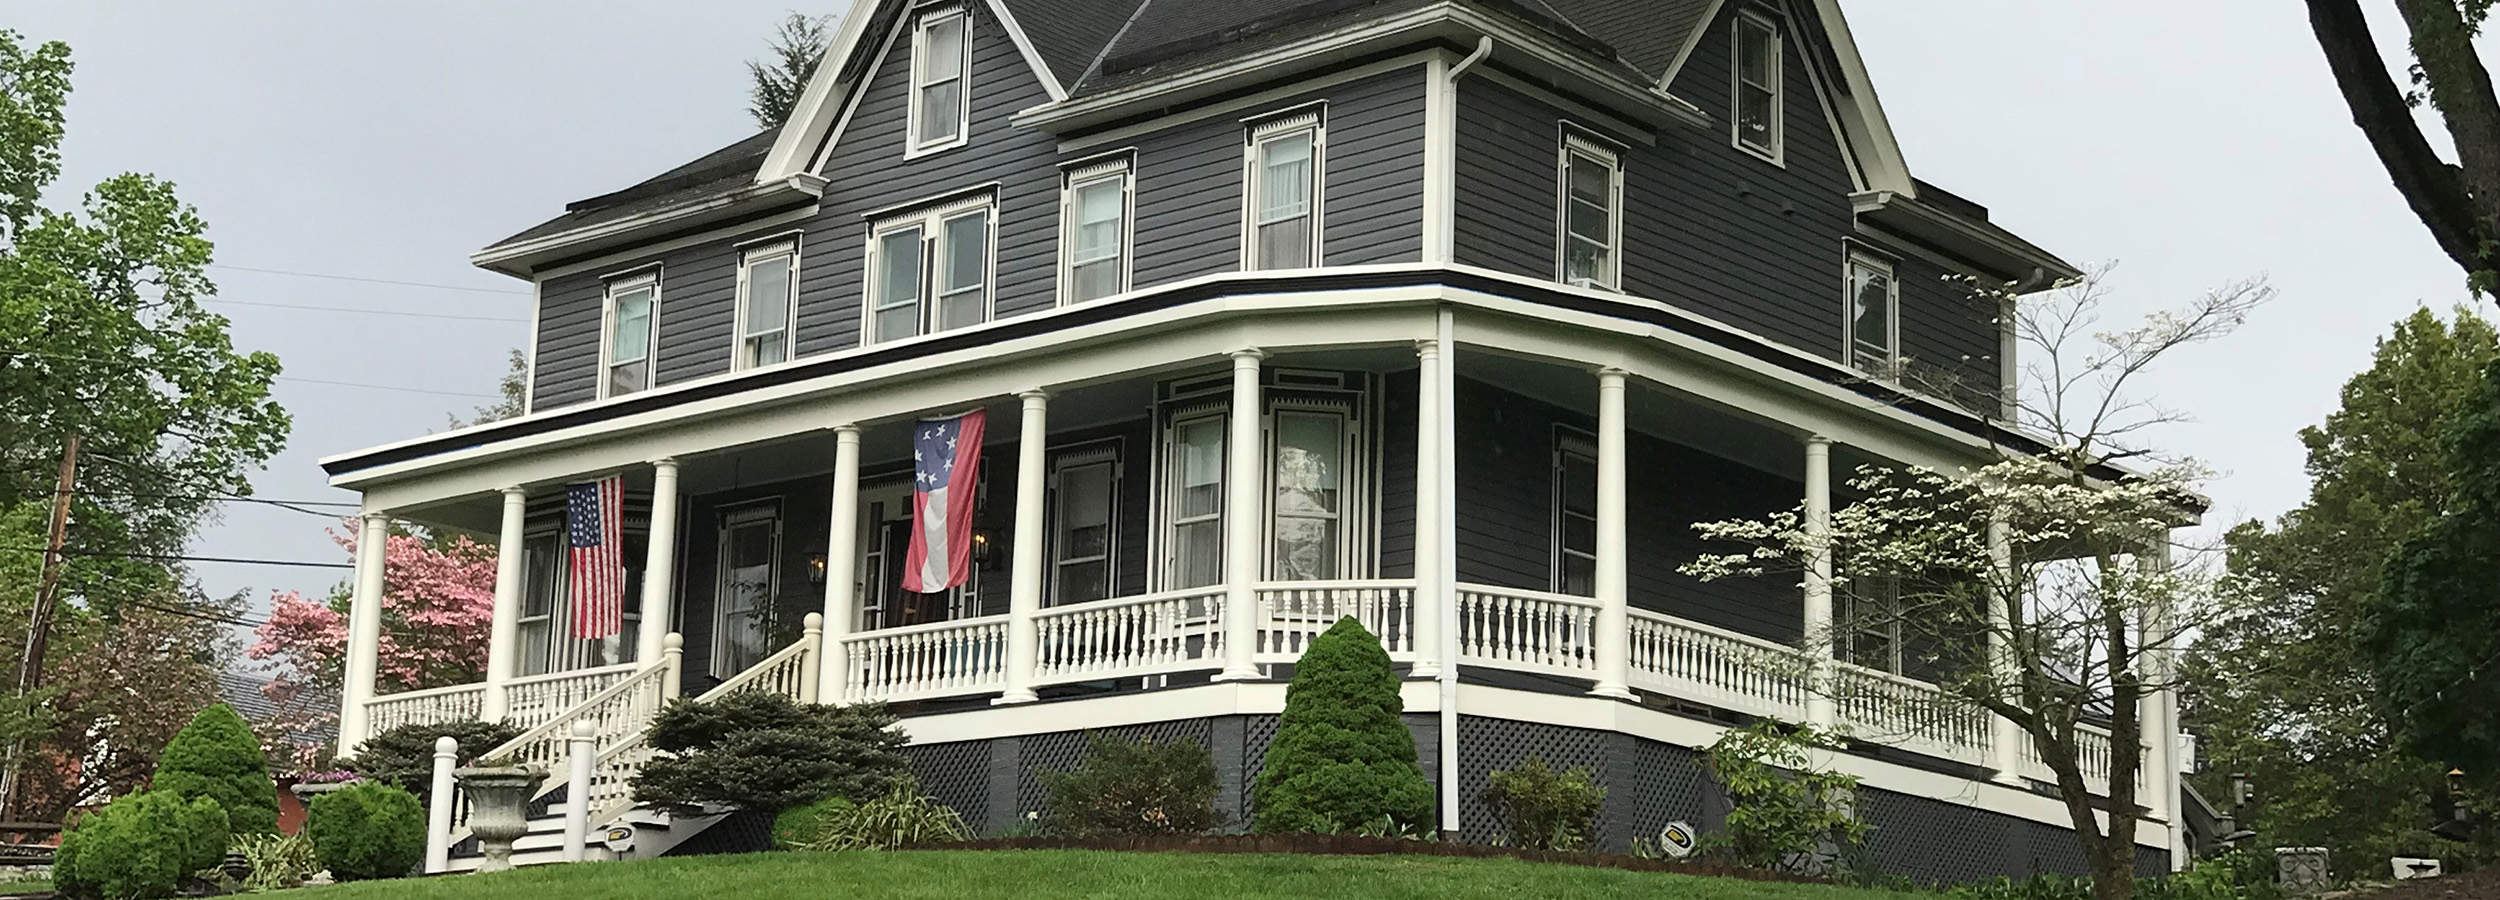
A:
[1545,809]
[206,825]
[404,756]
[371,830]
[1126,788]
[1342,760]
[217,757]
[799,826]
[139,846]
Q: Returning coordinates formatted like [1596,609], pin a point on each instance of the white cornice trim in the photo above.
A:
[1923,219]
[517,258]
[815,112]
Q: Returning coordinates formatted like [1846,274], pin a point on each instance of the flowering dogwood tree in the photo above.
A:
[2043,587]
[438,603]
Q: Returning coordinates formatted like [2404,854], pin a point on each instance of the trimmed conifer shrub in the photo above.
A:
[768,753]
[217,757]
[404,756]
[371,830]
[1341,759]
[138,846]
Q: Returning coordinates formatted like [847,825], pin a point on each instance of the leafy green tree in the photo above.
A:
[1341,759]
[2277,691]
[217,757]
[794,50]
[2432,636]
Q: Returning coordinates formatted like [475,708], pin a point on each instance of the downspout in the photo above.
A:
[1446,531]
[1441,153]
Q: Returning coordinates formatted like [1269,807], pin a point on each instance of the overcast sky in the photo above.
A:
[2195,143]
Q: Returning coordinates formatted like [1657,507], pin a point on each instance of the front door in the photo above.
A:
[750,553]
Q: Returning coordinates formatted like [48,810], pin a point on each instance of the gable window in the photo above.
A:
[1874,316]
[1084,491]
[1282,191]
[941,66]
[1757,87]
[1094,236]
[632,307]
[1591,224]
[929,270]
[768,283]
[1575,514]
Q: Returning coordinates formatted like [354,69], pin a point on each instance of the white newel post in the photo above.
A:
[841,560]
[1428,586]
[672,655]
[1614,600]
[364,631]
[438,804]
[2005,738]
[811,655]
[503,637]
[583,747]
[1821,711]
[659,567]
[1024,582]
[1241,521]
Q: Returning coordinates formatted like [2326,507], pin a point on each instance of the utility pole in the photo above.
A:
[47,596]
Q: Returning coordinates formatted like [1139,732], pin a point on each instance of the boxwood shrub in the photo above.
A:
[217,757]
[139,846]
[371,830]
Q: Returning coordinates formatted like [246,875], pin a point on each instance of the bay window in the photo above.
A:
[929,270]
[1282,192]
[768,282]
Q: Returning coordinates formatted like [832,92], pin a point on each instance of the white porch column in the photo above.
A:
[1241,521]
[1821,711]
[2157,712]
[1614,601]
[1024,582]
[364,631]
[1428,462]
[659,566]
[2005,739]
[841,559]
[503,638]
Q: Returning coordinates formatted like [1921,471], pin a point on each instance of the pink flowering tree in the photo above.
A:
[438,603]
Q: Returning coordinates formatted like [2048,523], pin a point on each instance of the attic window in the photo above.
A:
[941,66]
[1757,85]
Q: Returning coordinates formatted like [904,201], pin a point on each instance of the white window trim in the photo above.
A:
[1314,120]
[1577,144]
[748,255]
[745,513]
[913,146]
[1162,575]
[931,219]
[610,286]
[1085,175]
[1568,442]
[1063,459]
[1352,516]
[1889,630]
[1856,258]
[1777,153]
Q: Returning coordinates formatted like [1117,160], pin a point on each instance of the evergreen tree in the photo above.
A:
[217,757]
[795,47]
[1341,759]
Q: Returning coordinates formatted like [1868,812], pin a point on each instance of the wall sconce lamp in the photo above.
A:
[816,568]
[981,548]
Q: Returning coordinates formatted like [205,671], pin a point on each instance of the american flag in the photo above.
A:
[594,514]
[946,462]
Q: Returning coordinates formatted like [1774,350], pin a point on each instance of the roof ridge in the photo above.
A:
[1096,64]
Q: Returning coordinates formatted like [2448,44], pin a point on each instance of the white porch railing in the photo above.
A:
[1914,715]
[457,703]
[915,662]
[620,711]
[1291,613]
[791,672]
[2092,755]
[1552,634]
[535,700]
[1722,668]
[1173,631]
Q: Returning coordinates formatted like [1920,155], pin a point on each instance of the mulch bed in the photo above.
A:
[1347,845]
[2482,885]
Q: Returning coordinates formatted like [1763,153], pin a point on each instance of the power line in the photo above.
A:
[211,615]
[374,312]
[387,387]
[367,280]
[177,557]
[219,497]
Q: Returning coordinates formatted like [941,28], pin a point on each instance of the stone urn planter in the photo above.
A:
[309,792]
[499,799]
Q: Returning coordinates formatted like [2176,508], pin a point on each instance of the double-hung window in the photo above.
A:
[632,310]
[1591,224]
[941,67]
[1308,481]
[1575,514]
[1871,623]
[1282,192]
[1193,493]
[1084,511]
[1874,316]
[1757,85]
[1094,231]
[768,283]
[929,269]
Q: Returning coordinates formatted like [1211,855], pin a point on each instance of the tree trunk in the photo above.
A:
[2461,209]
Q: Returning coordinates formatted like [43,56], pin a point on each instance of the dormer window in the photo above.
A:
[768,280]
[1281,194]
[1591,223]
[1874,323]
[941,65]
[633,304]
[1757,87]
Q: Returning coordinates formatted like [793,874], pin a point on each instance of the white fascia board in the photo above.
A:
[1032,57]
[1870,131]
[818,106]
[1457,22]
[1909,214]
[518,259]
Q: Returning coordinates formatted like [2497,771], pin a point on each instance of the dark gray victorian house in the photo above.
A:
[1449,315]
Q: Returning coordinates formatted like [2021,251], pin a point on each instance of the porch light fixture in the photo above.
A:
[981,548]
[816,568]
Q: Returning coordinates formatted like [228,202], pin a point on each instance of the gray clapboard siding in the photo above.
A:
[564,370]
[867,171]
[698,309]
[1944,330]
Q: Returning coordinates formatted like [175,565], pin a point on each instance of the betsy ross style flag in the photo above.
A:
[946,460]
[594,514]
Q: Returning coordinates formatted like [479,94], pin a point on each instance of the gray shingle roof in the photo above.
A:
[718,172]
[1069,34]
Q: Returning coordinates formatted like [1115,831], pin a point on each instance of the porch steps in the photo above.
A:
[655,834]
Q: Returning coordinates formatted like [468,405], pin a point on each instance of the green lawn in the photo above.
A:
[967,875]
[25,886]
